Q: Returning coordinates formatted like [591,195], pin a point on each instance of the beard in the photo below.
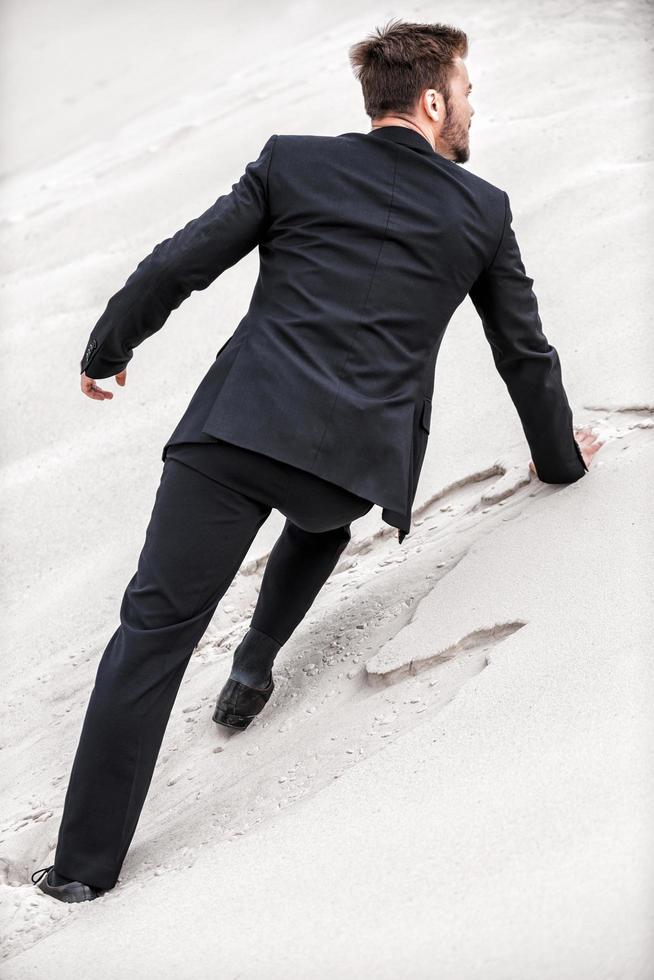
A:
[455,135]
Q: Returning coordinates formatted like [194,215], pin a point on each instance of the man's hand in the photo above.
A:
[588,443]
[90,386]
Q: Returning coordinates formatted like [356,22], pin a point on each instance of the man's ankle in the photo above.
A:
[250,678]
[253,659]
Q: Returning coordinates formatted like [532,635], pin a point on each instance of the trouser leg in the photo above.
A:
[196,540]
[297,568]
[318,516]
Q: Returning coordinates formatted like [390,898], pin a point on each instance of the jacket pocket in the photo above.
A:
[425,418]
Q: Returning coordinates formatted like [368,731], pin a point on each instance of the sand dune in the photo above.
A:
[452,777]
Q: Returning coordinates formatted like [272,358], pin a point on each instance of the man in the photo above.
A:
[318,405]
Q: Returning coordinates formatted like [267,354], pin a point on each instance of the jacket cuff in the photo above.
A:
[97,365]
[579,454]
[91,348]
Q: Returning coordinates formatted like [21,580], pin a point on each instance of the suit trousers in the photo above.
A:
[211,501]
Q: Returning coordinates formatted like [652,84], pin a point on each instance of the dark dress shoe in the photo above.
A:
[72,891]
[238,704]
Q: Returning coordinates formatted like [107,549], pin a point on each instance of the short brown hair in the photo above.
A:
[397,63]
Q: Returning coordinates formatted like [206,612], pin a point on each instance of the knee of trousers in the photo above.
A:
[150,620]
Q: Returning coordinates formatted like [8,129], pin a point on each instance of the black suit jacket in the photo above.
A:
[368,242]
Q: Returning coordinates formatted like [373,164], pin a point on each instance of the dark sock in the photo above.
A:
[57,879]
[254,658]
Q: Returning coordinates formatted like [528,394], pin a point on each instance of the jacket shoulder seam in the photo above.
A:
[503,229]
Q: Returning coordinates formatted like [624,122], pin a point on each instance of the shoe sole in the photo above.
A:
[228,720]
[80,894]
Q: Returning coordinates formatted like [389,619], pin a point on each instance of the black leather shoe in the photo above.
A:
[72,891]
[238,704]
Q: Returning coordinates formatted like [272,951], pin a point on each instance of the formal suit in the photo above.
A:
[318,406]
[368,242]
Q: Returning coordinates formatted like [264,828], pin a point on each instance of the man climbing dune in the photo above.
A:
[318,405]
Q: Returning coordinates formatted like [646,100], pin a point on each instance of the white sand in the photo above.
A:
[461,786]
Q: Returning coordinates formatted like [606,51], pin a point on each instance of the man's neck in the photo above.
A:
[408,124]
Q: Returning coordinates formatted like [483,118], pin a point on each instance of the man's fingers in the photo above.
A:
[586,437]
[91,389]
[583,436]
[99,394]
[588,440]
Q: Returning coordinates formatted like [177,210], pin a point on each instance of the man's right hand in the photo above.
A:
[90,387]
[588,443]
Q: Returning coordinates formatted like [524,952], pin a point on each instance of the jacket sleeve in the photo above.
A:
[191,259]
[527,363]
